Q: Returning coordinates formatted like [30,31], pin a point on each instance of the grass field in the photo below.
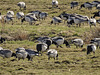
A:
[72,61]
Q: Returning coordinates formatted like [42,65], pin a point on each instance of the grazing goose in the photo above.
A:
[52,53]
[58,41]
[78,42]
[21,54]
[5,53]
[96,41]
[8,19]
[87,5]
[29,19]
[64,16]
[42,15]
[74,4]
[19,15]
[10,14]
[22,5]
[91,48]
[41,47]
[56,20]
[37,13]
[92,21]
[54,3]
[31,53]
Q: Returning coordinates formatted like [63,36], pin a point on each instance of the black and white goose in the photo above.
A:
[31,54]
[78,42]
[91,48]
[56,20]
[52,53]
[92,21]
[74,4]
[30,19]
[6,53]
[58,41]
[19,15]
[54,3]
[21,5]
[87,5]
[41,47]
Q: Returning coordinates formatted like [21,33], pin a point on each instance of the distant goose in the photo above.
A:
[52,53]
[31,54]
[2,40]
[91,48]
[21,5]
[8,19]
[87,5]
[29,19]
[10,14]
[37,13]
[42,15]
[74,4]
[58,41]
[96,41]
[19,15]
[78,42]
[41,47]
[21,54]
[5,53]
[54,3]
[56,20]
[92,21]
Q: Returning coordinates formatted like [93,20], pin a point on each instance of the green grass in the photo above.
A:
[72,61]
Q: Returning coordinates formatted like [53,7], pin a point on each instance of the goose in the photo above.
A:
[21,53]
[96,41]
[87,5]
[78,42]
[22,5]
[52,53]
[37,13]
[31,53]
[98,7]
[30,19]
[54,3]
[96,2]
[92,21]
[6,53]
[10,14]
[91,48]
[42,15]
[58,41]
[56,20]
[41,47]
[74,4]
[19,15]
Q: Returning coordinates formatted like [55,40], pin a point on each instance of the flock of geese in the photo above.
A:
[71,19]
[45,42]
[44,46]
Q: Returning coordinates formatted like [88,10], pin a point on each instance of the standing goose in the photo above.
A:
[74,4]
[52,53]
